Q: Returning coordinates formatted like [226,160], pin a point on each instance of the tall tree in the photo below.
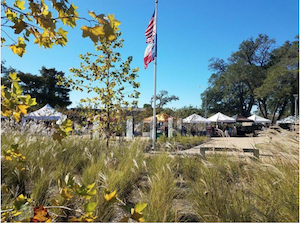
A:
[282,80]
[186,111]
[44,87]
[163,99]
[233,83]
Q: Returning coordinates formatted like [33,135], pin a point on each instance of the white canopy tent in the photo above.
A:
[290,120]
[259,119]
[194,118]
[220,117]
[46,113]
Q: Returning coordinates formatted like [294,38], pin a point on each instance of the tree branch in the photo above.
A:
[8,36]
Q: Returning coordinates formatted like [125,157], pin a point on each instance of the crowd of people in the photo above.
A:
[226,130]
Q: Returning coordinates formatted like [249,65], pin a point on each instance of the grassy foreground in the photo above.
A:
[175,188]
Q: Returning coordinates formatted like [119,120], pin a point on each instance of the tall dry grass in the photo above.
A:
[219,188]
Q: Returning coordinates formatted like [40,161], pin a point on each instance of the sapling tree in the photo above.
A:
[112,81]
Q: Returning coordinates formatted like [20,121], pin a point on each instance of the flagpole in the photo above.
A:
[154,94]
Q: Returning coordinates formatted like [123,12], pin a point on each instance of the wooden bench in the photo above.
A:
[255,151]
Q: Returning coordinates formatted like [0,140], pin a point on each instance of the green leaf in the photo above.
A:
[90,186]
[16,88]
[20,202]
[66,123]
[67,126]
[90,207]
[30,101]
[140,207]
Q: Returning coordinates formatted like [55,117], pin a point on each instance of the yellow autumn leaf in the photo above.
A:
[2,91]
[140,207]
[93,32]
[99,18]
[19,48]
[110,196]
[23,108]
[5,111]
[114,23]
[136,215]
[8,158]
[62,33]
[13,76]
[20,201]
[10,15]
[19,4]
[17,116]
[64,193]
[16,214]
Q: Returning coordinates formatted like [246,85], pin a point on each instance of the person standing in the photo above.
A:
[227,131]
[234,131]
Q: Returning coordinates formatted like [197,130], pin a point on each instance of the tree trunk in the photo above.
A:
[249,108]
[274,113]
[292,100]
[263,107]
[282,110]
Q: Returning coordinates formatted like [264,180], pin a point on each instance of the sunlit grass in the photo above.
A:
[219,188]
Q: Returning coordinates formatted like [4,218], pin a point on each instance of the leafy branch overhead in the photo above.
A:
[35,19]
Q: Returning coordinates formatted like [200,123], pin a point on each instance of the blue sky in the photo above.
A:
[190,33]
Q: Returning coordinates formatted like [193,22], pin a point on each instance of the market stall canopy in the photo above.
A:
[290,119]
[259,119]
[163,117]
[47,113]
[240,118]
[195,119]
[220,117]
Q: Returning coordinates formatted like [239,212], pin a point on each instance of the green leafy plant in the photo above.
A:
[13,103]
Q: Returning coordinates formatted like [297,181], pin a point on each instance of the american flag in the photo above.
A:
[150,51]
[151,29]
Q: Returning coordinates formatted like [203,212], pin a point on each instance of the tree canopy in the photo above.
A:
[163,99]
[258,74]
[43,87]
